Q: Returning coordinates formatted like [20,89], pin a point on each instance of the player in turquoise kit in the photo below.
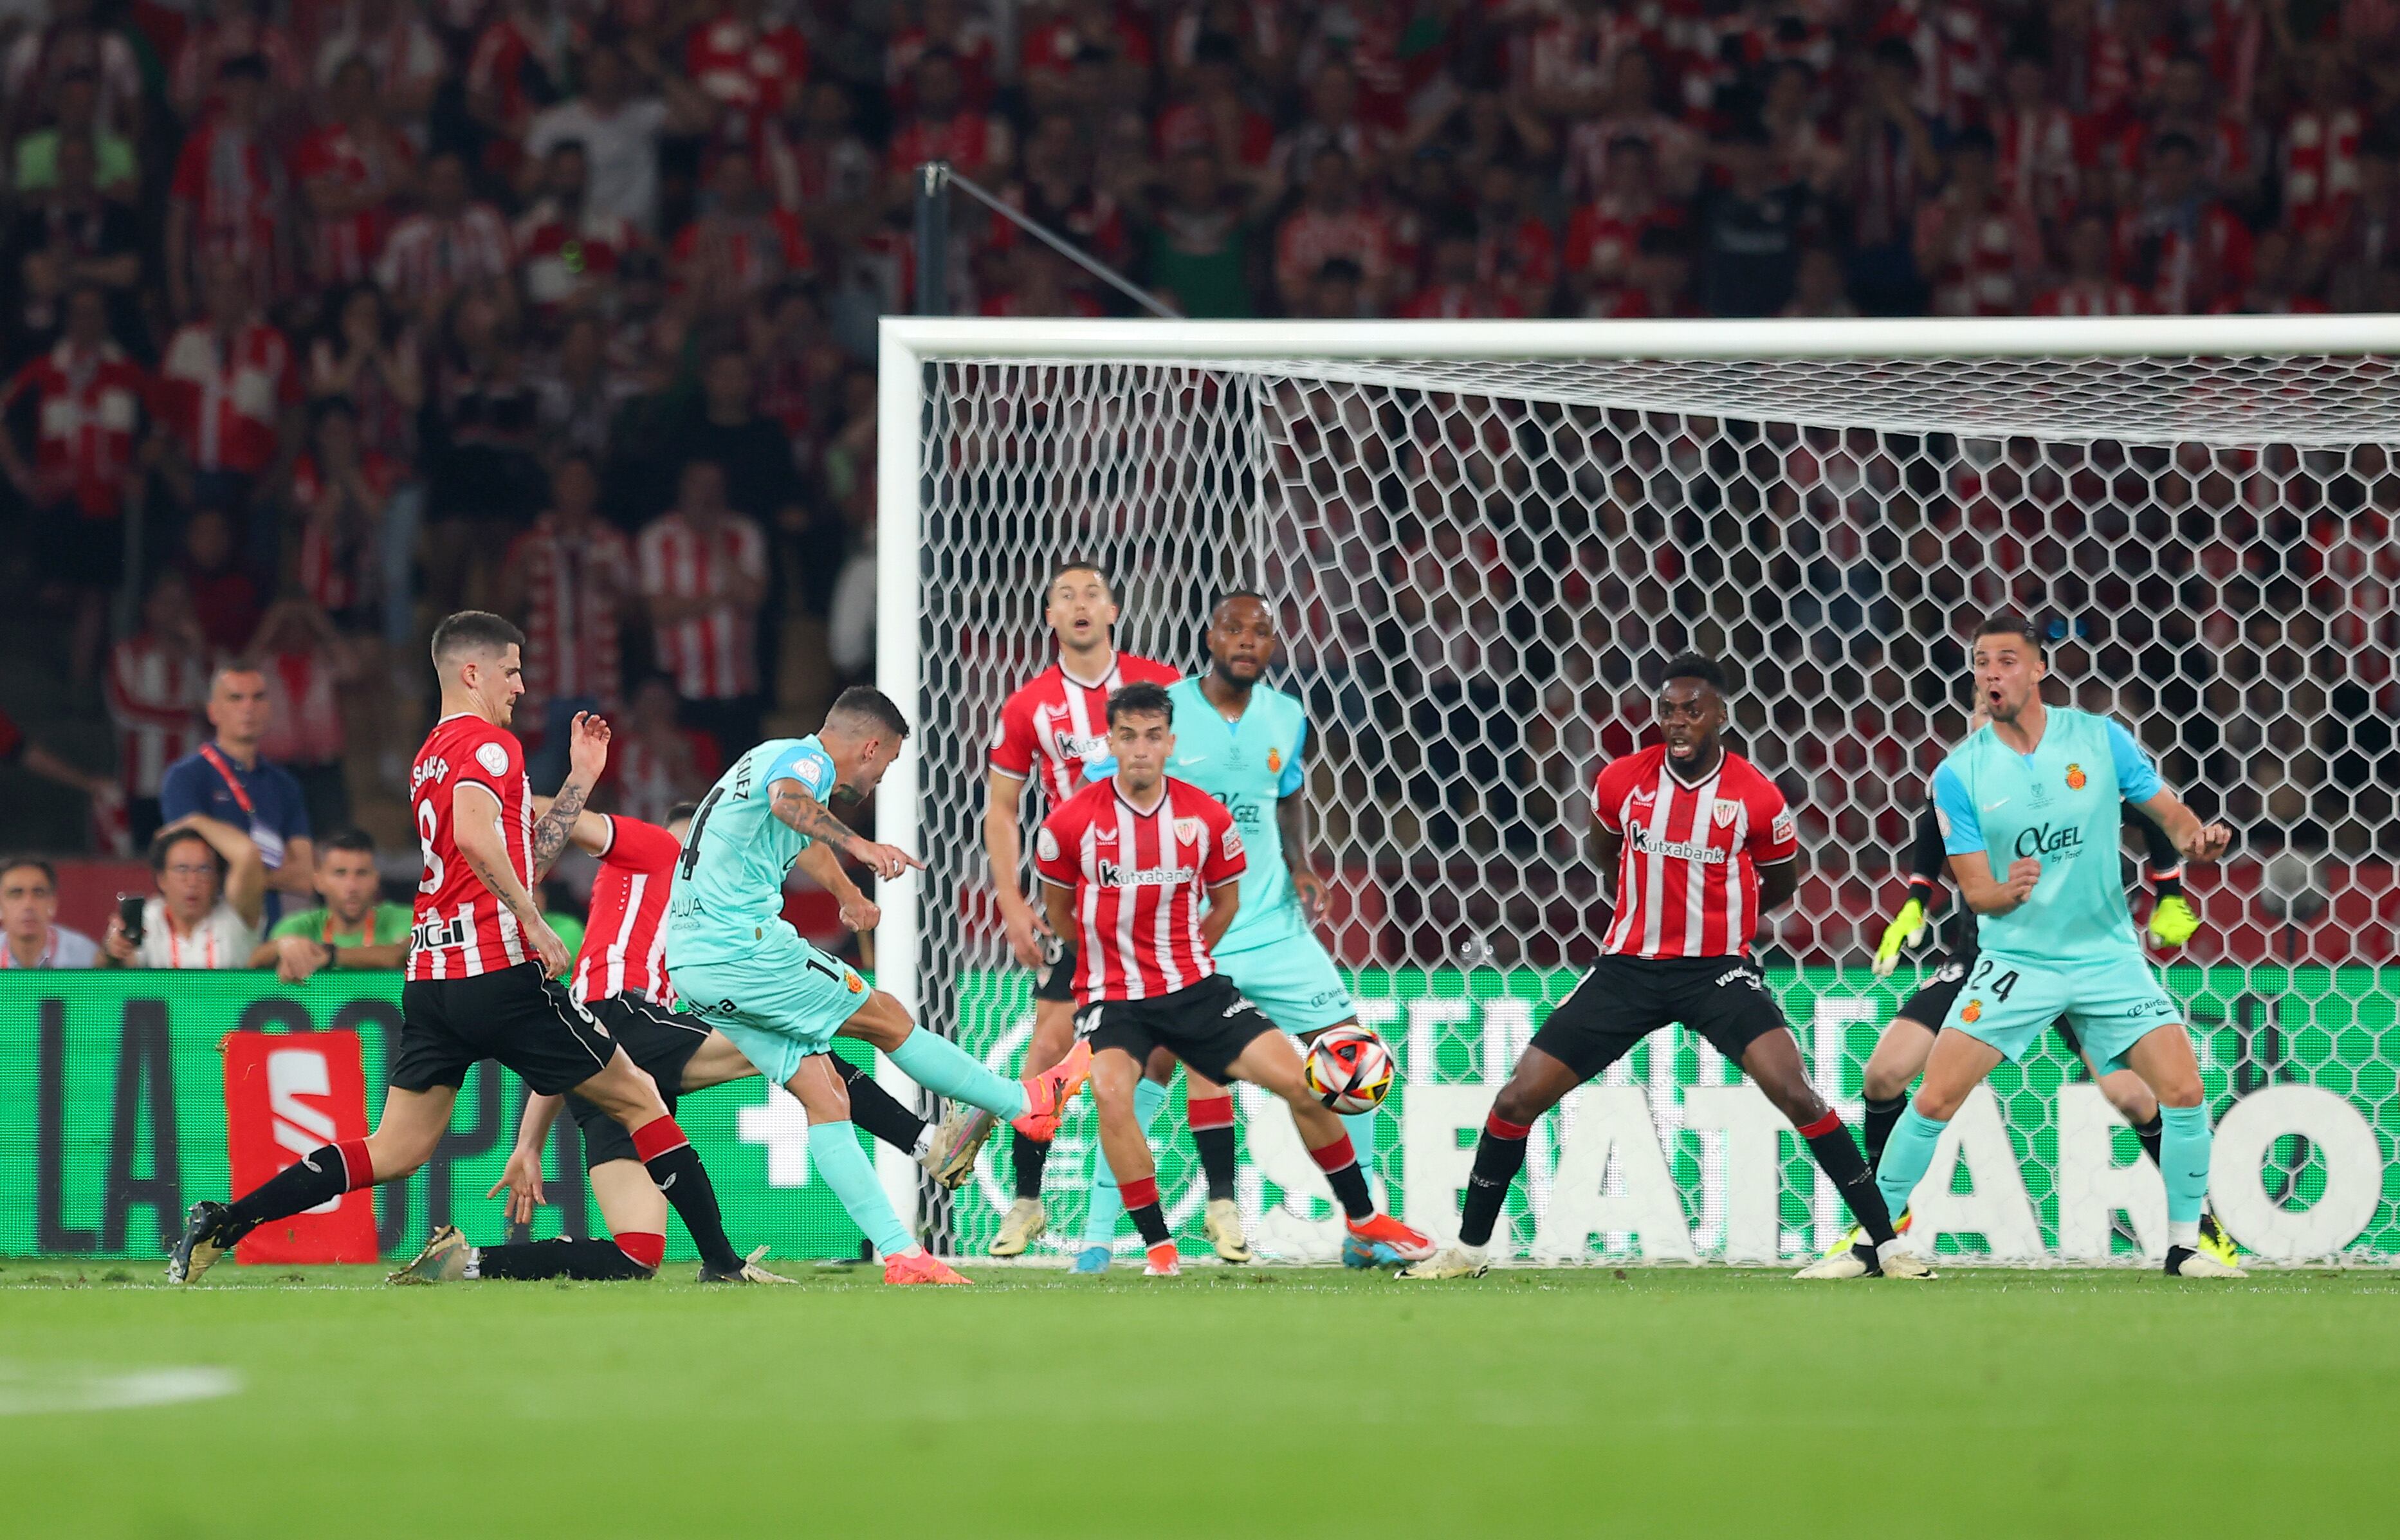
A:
[2039,790]
[739,964]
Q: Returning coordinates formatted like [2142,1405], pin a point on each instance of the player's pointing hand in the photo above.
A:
[886,860]
[522,1181]
[587,747]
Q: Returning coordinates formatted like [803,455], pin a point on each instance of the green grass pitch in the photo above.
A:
[1267,1402]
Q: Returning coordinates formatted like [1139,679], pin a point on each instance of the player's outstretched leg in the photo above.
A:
[412,1124]
[1376,1239]
[835,1155]
[1538,1083]
[2164,1058]
[1107,1201]
[447,1258]
[1772,1060]
[622,1091]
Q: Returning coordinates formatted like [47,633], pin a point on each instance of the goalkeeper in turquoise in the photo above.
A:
[2029,818]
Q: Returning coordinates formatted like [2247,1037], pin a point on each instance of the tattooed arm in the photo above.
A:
[791,803]
[587,756]
[475,818]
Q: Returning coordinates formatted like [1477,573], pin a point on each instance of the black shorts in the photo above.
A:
[1929,1006]
[1206,1025]
[1058,984]
[659,1041]
[1624,1000]
[527,1022]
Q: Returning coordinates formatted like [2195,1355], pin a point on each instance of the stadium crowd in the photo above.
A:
[322,317]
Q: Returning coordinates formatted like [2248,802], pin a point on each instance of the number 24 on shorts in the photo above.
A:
[2000,987]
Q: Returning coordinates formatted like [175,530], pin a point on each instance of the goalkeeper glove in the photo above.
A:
[2173,921]
[1905,927]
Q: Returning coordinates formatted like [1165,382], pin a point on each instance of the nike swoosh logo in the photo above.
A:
[2001,803]
[2198,1175]
[1193,758]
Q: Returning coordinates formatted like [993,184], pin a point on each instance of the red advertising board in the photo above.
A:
[287,1094]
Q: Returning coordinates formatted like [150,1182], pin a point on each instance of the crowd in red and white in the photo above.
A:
[359,311]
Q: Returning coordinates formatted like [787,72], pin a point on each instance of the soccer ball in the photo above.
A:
[1349,1070]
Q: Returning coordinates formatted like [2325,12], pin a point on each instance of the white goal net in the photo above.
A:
[1481,540]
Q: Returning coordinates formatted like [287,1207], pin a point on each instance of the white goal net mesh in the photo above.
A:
[1477,567]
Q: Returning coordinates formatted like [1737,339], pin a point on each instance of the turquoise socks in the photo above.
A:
[1909,1152]
[2183,1161]
[1107,1207]
[833,1150]
[946,1070]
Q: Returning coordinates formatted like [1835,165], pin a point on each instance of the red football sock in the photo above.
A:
[357,1168]
[646,1248]
[656,1138]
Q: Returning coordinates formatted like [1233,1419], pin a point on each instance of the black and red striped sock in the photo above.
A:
[1339,1161]
[675,1168]
[1499,1155]
[629,1256]
[1838,1155]
[1212,1135]
[1141,1202]
[318,1177]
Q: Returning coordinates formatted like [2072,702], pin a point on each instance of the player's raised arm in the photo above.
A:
[587,756]
[476,817]
[2138,779]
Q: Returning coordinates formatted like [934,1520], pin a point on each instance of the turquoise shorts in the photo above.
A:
[778,1005]
[1293,982]
[2112,1005]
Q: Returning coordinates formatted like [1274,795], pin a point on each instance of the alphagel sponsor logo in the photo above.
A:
[2041,840]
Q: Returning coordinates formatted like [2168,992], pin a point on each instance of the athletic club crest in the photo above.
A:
[1188,831]
[2075,778]
[1726,813]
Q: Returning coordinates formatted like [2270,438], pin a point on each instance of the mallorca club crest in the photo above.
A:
[1972,1014]
[1274,761]
[2075,778]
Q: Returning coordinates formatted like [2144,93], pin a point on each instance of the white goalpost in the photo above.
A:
[1481,539]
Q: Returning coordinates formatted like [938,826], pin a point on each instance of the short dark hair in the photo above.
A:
[1693,665]
[681,811]
[2007,623]
[873,705]
[1078,564]
[1233,593]
[1143,700]
[474,631]
[49,873]
[165,841]
[354,840]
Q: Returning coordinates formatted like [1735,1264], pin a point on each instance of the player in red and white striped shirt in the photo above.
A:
[1048,729]
[1700,845]
[1124,864]
[620,976]
[479,977]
